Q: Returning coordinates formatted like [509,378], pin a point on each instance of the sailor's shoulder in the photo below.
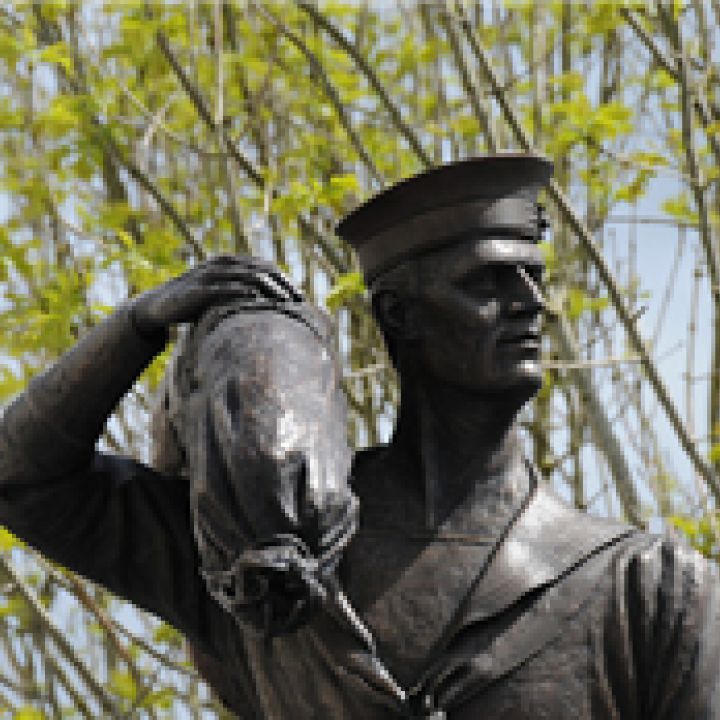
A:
[365,460]
[568,525]
[565,523]
[557,529]
[662,569]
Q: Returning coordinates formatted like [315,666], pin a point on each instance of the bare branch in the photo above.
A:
[703,109]
[202,108]
[70,687]
[335,101]
[469,86]
[58,637]
[576,224]
[362,64]
[604,436]
[247,166]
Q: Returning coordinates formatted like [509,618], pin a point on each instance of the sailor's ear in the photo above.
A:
[398,317]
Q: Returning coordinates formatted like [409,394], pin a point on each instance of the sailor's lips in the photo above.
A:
[526,340]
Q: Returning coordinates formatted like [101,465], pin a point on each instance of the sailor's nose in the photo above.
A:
[533,299]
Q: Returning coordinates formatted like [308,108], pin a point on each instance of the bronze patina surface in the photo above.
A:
[434,577]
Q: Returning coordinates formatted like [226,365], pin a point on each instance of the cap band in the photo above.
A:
[511,216]
[491,195]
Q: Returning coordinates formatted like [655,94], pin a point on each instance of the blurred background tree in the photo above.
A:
[139,137]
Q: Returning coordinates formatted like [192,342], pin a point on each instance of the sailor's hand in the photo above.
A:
[221,280]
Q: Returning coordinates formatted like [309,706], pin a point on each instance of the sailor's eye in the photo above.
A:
[484,280]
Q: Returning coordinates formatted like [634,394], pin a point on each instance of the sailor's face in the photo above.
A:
[480,312]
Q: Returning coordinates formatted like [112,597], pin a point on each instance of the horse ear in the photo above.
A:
[168,456]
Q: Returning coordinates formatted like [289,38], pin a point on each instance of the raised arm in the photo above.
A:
[110,518]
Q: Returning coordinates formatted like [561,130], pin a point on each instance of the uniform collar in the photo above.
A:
[548,540]
[546,543]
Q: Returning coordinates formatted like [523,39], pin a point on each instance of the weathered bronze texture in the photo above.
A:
[464,589]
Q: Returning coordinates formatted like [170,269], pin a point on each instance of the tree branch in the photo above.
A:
[330,91]
[245,163]
[362,64]
[578,227]
[471,89]
[58,637]
[706,112]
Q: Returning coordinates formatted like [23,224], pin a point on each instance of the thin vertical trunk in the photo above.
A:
[673,30]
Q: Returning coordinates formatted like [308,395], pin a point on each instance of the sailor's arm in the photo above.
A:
[51,429]
[662,634]
[106,517]
[49,432]
[681,677]
[110,518]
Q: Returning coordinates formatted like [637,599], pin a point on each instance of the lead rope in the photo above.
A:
[339,607]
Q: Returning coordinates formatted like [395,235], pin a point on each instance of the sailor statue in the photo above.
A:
[432,577]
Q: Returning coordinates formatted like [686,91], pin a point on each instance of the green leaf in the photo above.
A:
[714,454]
[465,125]
[547,249]
[7,540]
[578,302]
[28,713]
[10,49]
[636,188]
[575,302]
[602,17]
[610,120]
[167,634]
[123,684]
[688,526]
[162,699]
[569,81]
[679,208]
[115,214]
[57,53]
[344,183]
[661,79]
[60,117]
[347,287]
[701,533]
[648,157]
[598,304]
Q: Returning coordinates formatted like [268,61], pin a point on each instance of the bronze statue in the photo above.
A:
[464,588]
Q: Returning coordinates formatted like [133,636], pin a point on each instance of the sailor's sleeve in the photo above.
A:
[109,518]
[120,524]
[662,635]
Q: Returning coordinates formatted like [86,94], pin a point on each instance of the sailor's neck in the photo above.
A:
[464,445]
[463,425]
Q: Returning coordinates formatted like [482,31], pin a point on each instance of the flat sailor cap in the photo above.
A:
[490,196]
